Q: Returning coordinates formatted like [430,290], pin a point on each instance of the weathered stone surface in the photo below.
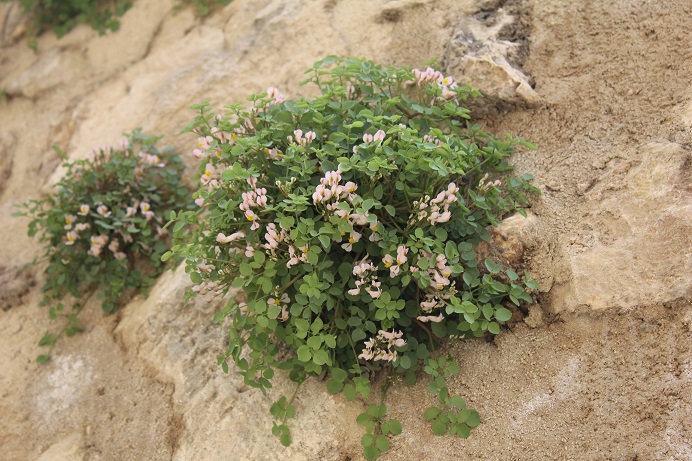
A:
[477,54]
[638,248]
[145,385]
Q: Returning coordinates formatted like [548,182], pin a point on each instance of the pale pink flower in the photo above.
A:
[103,211]
[354,237]
[401,253]
[69,220]
[221,238]
[114,246]
[249,251]
[275,94]
[204,142]
[379,137]
[81,226]
[83,210]
[199,201]
[431,318]
[70,237]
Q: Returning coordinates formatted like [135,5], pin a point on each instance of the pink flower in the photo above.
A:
[431,318]
[249,251]
[69,220]
[401,253]
[81,226]
[353,238]
[83,210]
[221,238]
[103,211]
[274,94]
[379,137]
[70,238]
[199,201]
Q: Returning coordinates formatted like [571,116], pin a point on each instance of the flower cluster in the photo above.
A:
[355,192]
[483,184]
[395,264]
[430,75]
[366,276]
[380,347]
[103,227]
[436,210]
[300,140]
[255,198]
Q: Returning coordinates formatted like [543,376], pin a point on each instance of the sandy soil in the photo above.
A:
[599,368]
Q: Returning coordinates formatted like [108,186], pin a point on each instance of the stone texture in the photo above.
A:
[608,239]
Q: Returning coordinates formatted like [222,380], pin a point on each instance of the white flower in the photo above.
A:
[221,238]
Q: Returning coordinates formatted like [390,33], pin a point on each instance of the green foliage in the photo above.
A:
[63,15]
[452,417]
[350,221]
[203,7]
[375,441]
[103,228]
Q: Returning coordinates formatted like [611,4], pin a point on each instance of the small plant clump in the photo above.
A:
[349,221]
[203,7]
[61,16]
[103,228]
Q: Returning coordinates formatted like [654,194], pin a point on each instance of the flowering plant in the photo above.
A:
[349,221]
[104,226]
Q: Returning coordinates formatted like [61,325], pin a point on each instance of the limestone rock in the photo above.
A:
[477,55]
[638,251]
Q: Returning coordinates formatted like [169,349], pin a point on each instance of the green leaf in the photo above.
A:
[363,419]
[457,401]
[334,387]
[502,314]
[431,413]
[371,453]
[492,267]
[339,375]
[166,256]
[43,358]
[494,328]
[358,334]
[367,440]
[382,443]
[512,275]
[394,427]
[320,357]
[404,361]
[350,392]
[304,353]
[474,419]
[439,427]
[390,209]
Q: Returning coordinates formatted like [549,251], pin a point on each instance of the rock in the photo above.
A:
[643,233]
[477,55]
[510,239]
[68,449]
